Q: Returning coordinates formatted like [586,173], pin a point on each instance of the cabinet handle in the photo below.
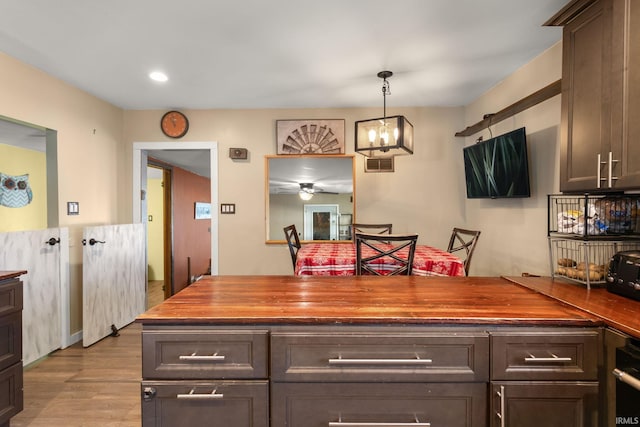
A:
[194,357]
[341,361]
[627,378]
[552,359]
[610,178]
[501,413]
[599,174]
[341,423]
[193,396]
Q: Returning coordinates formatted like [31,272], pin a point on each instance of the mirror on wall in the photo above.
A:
[28,176]
[316,193]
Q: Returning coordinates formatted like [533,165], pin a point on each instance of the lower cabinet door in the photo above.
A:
[210,403]
[11,395]
[548,404]
[378,404]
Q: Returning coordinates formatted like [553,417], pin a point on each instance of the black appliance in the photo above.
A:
[623,276]
[627,372]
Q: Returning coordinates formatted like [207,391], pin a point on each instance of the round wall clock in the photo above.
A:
[174,124]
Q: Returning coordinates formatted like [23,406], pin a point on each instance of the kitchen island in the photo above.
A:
[368,351]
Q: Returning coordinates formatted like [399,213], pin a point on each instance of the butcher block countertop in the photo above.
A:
[616,311]
[10,274]
[359,300]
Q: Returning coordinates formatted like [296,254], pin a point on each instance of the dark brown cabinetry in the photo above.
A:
[600,88]
[545,377]
[368,376]
[196,374]
[11,401]
[301,376]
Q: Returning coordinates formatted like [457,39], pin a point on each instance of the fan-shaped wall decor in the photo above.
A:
[310,136]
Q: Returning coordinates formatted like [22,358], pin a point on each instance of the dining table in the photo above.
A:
[339,259]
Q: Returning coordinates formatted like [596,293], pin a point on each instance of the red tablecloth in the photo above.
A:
[339,259]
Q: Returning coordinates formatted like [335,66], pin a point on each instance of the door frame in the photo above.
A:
[334,214]
[140,151]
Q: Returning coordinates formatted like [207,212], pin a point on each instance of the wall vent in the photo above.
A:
[378,164]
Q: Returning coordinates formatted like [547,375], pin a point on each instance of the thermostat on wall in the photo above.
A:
[238,153]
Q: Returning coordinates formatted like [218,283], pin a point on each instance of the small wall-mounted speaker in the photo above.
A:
[238,153]
[378,164]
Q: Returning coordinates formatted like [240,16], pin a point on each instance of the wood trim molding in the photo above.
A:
[527,102]
[568,12]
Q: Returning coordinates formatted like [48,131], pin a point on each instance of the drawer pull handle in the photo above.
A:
[627,378]
[193,396]
[341,423]
[194,357]
[552,359]
[341,361]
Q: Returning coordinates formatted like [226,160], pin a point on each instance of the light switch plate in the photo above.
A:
[73,208]
[227,208]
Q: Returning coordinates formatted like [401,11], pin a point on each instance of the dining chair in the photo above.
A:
[464,240]
[398,249]
[370,228]
[293,241]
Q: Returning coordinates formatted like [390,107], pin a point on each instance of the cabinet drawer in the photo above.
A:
[545,355]
[10,339]
[10,297]
[384,404]
[11,399]
[198,403]
[203,354]
[399,357]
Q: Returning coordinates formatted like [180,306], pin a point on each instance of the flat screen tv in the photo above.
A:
[498,167]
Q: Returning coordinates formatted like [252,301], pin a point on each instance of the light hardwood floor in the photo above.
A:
[98,386]
[86,387]
[155,293]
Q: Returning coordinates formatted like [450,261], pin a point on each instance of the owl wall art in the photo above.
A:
[15,191]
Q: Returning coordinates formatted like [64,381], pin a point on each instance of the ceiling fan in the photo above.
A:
[308,187]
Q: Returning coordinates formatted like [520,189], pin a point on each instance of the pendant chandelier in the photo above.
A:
[385,136]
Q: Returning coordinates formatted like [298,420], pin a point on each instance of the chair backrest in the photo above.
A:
[385,254]
[370,229]
[464,240]
[293,241]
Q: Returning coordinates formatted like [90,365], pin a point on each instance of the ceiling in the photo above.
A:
[278,54]
[274,54]
[326,174]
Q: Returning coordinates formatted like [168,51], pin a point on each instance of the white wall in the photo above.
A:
[514,231]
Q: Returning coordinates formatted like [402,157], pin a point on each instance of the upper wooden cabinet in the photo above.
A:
[600,87]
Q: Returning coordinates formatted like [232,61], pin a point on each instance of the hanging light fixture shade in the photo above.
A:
[384,136]
[306,191]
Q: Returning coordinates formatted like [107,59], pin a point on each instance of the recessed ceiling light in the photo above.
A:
[158,76]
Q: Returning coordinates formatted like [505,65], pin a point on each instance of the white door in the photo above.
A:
[321,222]
[44,254]
[114,279]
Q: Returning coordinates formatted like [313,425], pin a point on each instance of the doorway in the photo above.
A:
[321,222]
[143,150]
[159,219]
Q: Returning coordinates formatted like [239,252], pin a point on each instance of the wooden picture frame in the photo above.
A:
[310,136]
